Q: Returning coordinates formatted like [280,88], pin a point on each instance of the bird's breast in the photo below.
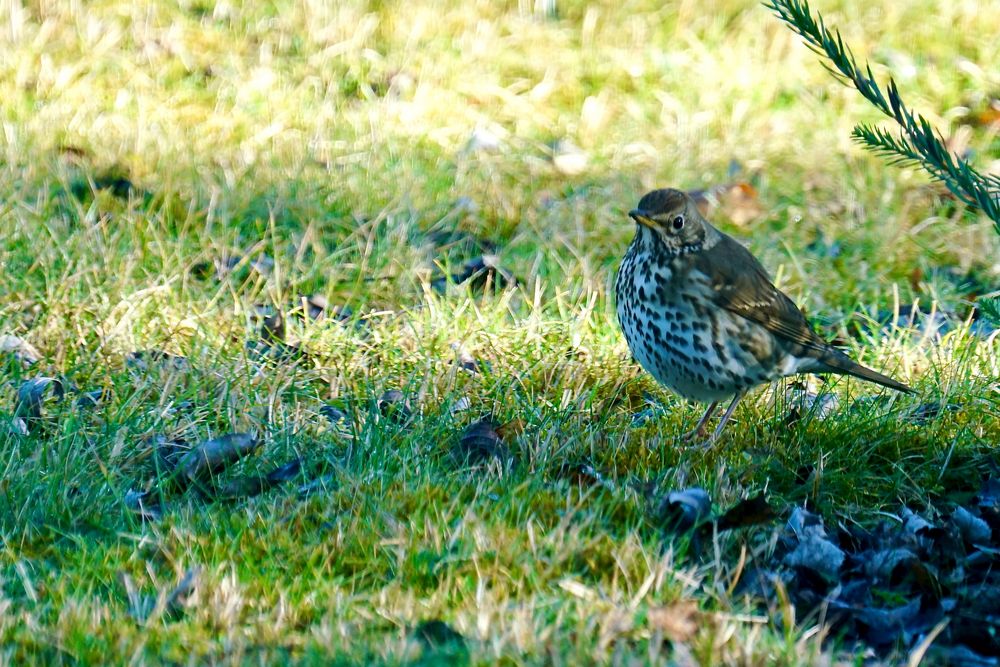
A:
[677,333]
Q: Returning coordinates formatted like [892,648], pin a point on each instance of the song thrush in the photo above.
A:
[701,314]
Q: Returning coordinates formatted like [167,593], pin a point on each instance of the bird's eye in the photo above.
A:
[678,223]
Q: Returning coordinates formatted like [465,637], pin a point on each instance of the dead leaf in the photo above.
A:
[23,352]
[678,622]
[737,201]
[177,598]
[748,512]
[465,360]
[214,455]
[144,504]
[89,400]
[480,444]
[33,394]
[253,485]
[986,114]
[805,403]
[392,405]
[883,564]
[884,627]
[483,274]
[511,429]
[972,528]
[682,510]
[145,360]
[324,483]
[436,633]
[222,267]
[568,158]
[336,416]
[813,548]
[114,180]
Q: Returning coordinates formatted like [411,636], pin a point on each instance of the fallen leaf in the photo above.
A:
[31,396]
[985,113]
[177,598]
[483,140]
[324,483]
[928,412]
[737,201]
[465,360]
[143,504]
[23,352]
[678,622]
[813,548]
[883,564]
[145,360]
[436,633]
[253,485]
[115,180]
[805,403]
[214,455]
[972,529]
[884,627]
[483,273]
[682,510]
[89,400]
[748,512]
[336,416]
[480,444]
[392,405]
[568,158]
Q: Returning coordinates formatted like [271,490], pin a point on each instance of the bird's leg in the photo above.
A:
[699,430]
[722,422]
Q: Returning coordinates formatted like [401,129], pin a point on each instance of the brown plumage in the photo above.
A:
[701,314]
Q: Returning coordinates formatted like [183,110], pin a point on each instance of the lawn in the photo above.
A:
[266,218]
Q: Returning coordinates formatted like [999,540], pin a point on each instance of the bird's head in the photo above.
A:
[671,218]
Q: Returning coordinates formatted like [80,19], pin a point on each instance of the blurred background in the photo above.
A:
[531,126]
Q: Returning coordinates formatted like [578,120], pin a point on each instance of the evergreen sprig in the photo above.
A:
[990,308]
[918,142]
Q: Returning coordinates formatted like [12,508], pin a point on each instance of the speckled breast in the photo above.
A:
[677,334]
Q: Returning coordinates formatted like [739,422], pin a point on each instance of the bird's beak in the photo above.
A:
[641,217]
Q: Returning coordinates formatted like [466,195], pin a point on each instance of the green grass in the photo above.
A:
[333,137]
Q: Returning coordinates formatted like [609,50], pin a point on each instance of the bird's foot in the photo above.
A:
[695,435]
[700,439]
[706,444]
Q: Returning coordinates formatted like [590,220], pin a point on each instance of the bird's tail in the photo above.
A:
[838,362]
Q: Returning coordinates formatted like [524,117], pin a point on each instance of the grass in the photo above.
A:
[335,139]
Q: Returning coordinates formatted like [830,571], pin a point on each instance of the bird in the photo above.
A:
[701,314]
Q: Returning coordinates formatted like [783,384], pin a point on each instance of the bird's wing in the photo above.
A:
[740,284]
